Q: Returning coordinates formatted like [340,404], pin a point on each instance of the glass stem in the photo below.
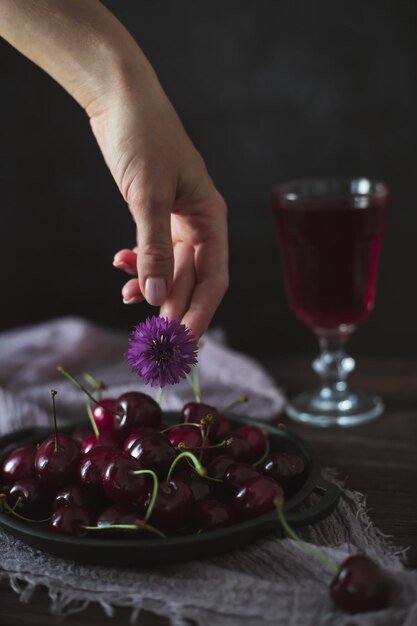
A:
[333,365]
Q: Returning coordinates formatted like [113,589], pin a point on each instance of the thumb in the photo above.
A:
[155,250]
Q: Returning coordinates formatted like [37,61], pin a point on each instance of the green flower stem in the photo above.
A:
[152,529]
[154,491]
[187,455]
[195,387]
[91,418]
[234,404]
[306,546]
[267,447]
[80,386]
[160,395]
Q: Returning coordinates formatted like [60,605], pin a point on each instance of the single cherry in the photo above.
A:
[19,464]
[212,514]
[90,470]
[237,474]
[56,461]
[256,497]
[57,458]
[70,520]
[287,469]
[119,484]
[30,499]
[185,436]
[360,585]
[72,495]
[256,439]
[196,412]
[117,515]
[107,439]
[136,409]
[154,452]
[201,488]
[218,466]
[240,449]
[103,417]
[224,428]
[134,436]
[173,505]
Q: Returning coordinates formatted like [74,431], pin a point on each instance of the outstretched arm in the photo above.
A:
[181,255]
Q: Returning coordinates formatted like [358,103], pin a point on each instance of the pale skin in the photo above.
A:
[180,262]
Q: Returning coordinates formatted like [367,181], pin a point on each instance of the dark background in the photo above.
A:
[268,90]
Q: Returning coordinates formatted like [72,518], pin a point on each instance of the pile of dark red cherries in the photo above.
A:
[141,479]
[82,480]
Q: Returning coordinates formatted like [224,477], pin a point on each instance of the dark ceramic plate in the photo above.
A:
[129,552]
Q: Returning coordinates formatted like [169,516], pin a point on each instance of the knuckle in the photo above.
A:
[157,252]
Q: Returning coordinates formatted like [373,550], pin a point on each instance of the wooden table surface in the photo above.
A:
[379,459]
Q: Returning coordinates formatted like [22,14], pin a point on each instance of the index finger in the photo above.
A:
[212,280]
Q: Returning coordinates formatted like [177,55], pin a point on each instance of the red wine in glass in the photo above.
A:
[330,238]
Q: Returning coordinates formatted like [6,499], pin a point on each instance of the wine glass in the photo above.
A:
[330,237]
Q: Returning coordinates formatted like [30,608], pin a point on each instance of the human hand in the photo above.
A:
[181,256]
[180,217]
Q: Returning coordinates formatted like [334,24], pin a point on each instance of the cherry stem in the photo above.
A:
[222,444]
[234,404]
[140,524]
[267,447]
[80,386]
[205,426]
[160,395]
[154,491]
[187,455]
[16,504]
[306,546]
[12,511]
[166,430]
[53,394]
[216,480]
[95,384]
[91,418]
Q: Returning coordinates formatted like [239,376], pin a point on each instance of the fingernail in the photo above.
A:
[120,265]
[155,290]
[130,300]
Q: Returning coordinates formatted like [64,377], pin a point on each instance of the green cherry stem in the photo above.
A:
[91,418]
[234,404]
[12,511]
[140,524]
[187,455]
[53,394]
[267,447]
[80,386]
[306,546]
[222,444]
[95,384]
[166,430]
[154,490]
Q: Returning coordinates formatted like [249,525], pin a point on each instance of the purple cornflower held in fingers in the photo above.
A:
[161,351]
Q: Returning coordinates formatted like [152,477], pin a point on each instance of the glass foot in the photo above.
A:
[351,410]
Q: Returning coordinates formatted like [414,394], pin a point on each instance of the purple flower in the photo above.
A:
[161,351]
